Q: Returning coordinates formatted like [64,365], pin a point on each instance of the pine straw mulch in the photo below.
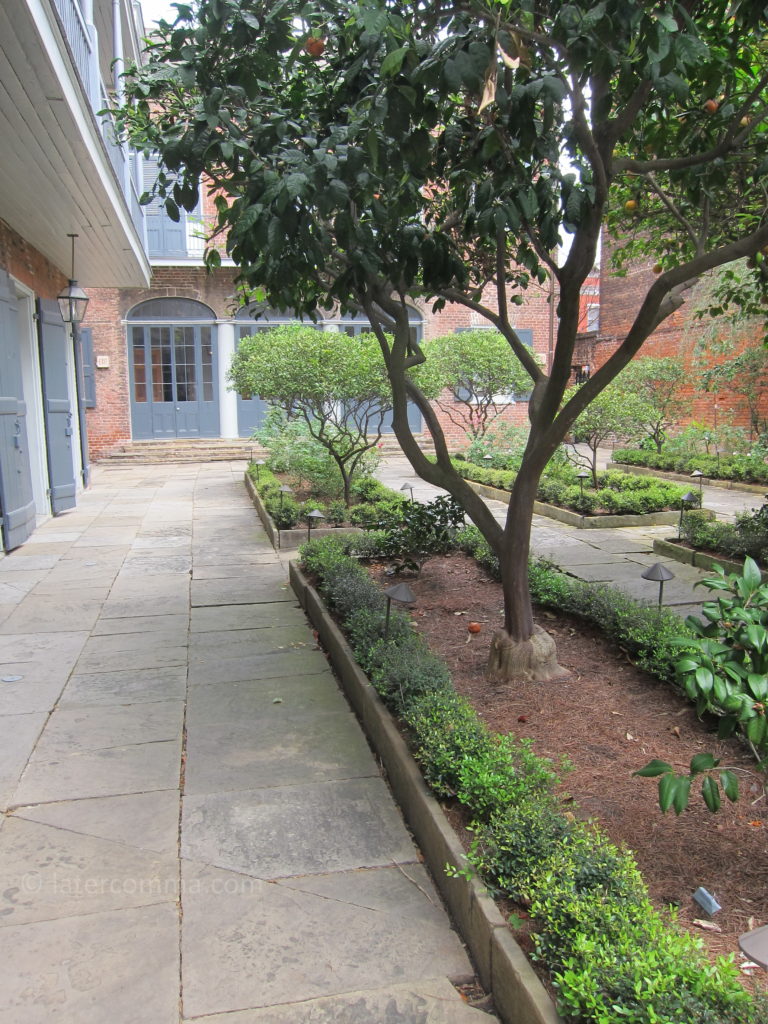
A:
[609,719]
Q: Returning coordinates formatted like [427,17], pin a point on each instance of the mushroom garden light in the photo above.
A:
[401,593]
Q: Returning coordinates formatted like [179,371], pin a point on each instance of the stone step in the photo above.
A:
[212,450]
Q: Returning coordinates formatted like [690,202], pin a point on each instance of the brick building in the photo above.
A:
[62,176]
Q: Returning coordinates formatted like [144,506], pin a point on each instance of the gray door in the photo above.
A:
[86,392]
[17,506]
[57,407]
[173,373]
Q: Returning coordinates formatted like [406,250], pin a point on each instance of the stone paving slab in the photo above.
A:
[265,666]
[429,1001]
[74,730]
[208,620]
[149,656]
[24,561]
[18,734]
[51,872]
[297,830]
[228,966]
[138,768]
[239,643]
[234,703]
[269,584]
[27,696]
[66,611]
[275,750]
[235,569]
[142,624]
[92,968]
[149,604]
[146,821]
[126,686]
[144,565]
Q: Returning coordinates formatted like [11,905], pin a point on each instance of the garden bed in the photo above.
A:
[682,552]
[685,478]
[289,539]
[594,522]
[609,719]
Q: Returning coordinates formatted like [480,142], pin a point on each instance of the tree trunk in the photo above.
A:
[522,650]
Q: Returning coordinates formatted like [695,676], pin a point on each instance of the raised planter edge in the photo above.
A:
[699,559]
[563,515]
[290,539]
[683,478]
[503,968]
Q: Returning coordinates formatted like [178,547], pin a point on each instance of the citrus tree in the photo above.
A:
[366,154]
[477,373]
[336,384]
[658,382]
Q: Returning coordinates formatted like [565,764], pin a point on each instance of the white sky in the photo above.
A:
[154,10]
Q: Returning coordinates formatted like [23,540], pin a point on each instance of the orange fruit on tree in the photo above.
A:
[314,46]
[710,106]
[631,205]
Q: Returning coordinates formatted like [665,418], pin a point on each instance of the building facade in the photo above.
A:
[63,176]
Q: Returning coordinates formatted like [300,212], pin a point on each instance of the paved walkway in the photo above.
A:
[193,826]
[617,557]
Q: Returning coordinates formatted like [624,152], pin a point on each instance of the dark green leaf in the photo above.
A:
[654,768]
[711,793]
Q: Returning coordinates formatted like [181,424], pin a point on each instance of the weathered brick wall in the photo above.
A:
[29,266]
[677,337]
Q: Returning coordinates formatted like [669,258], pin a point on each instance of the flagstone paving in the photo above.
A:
[192,825]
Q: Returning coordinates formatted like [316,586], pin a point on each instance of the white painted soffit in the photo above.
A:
[55,174]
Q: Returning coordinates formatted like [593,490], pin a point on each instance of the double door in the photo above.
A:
[173,381]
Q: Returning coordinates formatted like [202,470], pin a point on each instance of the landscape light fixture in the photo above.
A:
[754,945]
[581,477]
[687,499]
[487,458]
[258,463]
[313,519]
[408,487]
[401,593]
[698,475]
[658,573]
[285,489]
[73,301]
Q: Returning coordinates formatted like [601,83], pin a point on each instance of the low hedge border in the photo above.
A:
[700,559]
[610,955]
[683,478]
[519,997]
[564,515]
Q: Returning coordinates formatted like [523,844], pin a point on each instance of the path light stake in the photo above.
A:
[659,574]
[408,487]
[698,475]
[313,517]
[401,593]
[285,489]
[258,464]
[687,499]
[581,477]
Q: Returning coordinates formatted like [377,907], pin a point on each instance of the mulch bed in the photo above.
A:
[609,719]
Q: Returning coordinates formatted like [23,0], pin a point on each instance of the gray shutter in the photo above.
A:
[17,506]
[88,373]
[86,387]
[57,407]
[165,238]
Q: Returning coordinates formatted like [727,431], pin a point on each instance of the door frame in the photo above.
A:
[32,386]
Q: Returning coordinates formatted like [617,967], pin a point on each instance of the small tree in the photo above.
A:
[336,384]
[480,373]
[614,412]
[658,382]
[746,375]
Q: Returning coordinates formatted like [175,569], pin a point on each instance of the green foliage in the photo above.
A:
[675,787]
[726,670]
[503,442]
[617,411]
[479,371]
[414,531]
[747,537]
[334,384]
[294,451]
[610,955]
[658,382]
[746,375]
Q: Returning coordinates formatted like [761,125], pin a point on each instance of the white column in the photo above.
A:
[225,344]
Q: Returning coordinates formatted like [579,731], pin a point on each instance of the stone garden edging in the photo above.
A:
[280,539]
[564,515]
[699,559]
[519,997]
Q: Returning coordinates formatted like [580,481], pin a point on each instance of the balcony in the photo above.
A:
[62,168]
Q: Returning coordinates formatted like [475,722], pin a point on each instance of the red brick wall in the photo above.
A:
[620,301]
[29,266]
